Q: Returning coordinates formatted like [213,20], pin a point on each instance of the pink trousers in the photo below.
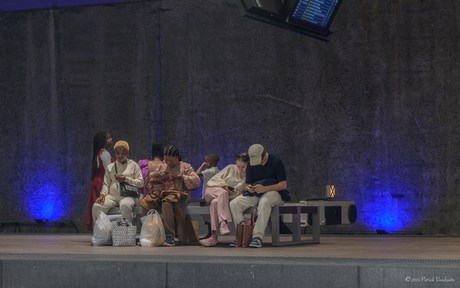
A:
[219,207]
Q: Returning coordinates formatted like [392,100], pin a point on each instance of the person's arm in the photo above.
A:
[105,186]
[191,179]
[240,187]
[276,187]
[137,179]
[106,158]
[204,165]
[218,180]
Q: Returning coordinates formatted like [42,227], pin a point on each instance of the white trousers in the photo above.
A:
[126,206]
[264,208]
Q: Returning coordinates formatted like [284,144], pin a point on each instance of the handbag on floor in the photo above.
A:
[124,235]
[244,232]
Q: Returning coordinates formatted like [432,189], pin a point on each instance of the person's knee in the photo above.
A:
[223,197]
[264,203]
[96,207]
[126,207]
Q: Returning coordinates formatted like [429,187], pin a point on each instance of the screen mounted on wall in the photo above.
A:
[309,17]
[316,15]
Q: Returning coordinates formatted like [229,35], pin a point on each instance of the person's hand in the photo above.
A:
[100,199]
[260,189]
[120,178]
[178,176]
[251,190]
[230,192]
[205,165]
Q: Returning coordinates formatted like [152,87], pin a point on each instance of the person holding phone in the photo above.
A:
[123,170]
[266,185]
[225,185]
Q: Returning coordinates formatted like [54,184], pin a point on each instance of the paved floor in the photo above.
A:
[363,247]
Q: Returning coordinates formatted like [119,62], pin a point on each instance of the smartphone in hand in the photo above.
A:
[230,188]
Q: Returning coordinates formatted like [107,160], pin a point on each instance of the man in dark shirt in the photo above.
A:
[266,187]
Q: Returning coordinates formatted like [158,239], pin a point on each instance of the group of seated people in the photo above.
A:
[166,179]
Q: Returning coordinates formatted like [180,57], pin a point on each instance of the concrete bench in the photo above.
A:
[198,210]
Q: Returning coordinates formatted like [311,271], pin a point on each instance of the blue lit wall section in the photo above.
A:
[385,214]
[391,204]
[46,199]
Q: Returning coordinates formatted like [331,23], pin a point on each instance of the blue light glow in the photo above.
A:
[45,201]
[386,213]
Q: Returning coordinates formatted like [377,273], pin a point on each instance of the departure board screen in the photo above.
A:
[314,14]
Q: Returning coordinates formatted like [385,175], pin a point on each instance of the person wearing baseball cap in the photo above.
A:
[265,187]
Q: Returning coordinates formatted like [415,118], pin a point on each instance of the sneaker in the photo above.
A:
[233,244]
[209,242]
[256,242]
[205,237]
[169,242]
[224,229]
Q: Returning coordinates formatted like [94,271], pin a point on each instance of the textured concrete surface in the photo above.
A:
[417,249]
[374,111]
[379,261]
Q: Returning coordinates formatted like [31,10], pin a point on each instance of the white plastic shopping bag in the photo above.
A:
[153,231]
[102,232]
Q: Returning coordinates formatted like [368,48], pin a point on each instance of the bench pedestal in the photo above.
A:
[296,212]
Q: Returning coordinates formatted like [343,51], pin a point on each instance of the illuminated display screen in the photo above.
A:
[309,17]
[314,14]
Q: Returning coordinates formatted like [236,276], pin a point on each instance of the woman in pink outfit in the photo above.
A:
[227,184]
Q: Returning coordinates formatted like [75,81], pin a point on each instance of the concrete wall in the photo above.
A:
[374,111]
[193,271]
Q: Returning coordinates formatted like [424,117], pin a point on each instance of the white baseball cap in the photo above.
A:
[255,154]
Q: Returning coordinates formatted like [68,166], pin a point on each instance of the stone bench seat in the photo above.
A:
[198,209]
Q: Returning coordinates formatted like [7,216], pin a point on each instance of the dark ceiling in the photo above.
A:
[15,5]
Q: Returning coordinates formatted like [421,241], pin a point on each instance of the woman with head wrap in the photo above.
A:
[124,170]
[178,178]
